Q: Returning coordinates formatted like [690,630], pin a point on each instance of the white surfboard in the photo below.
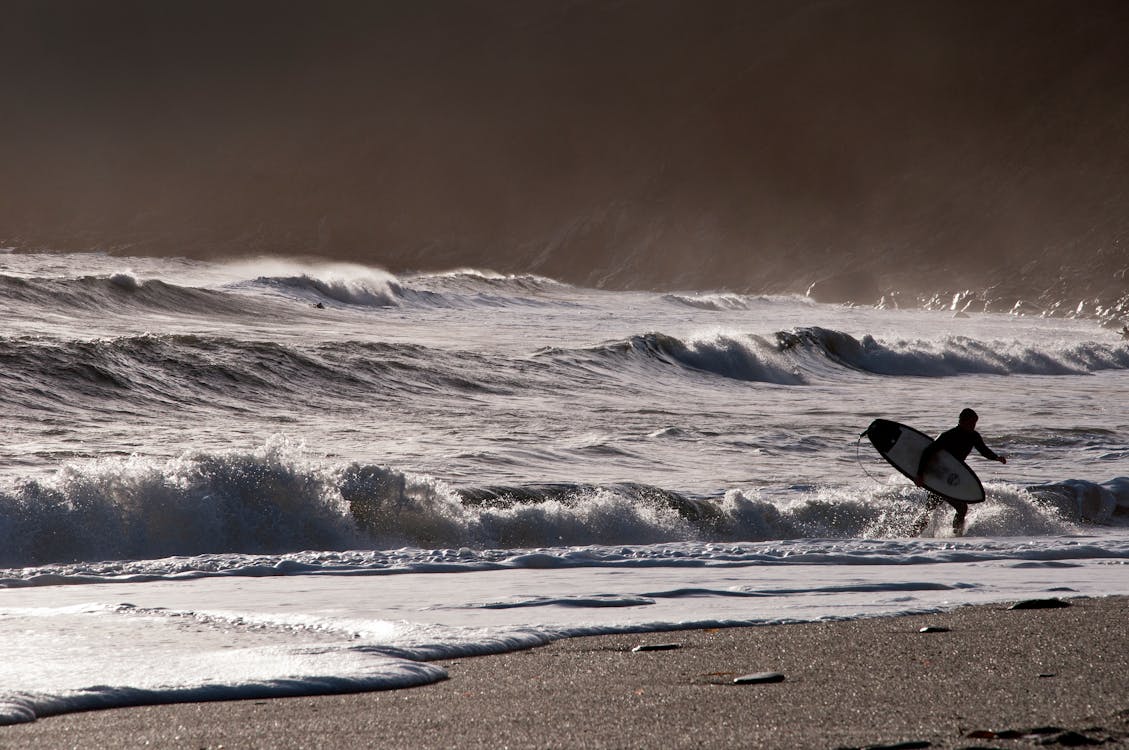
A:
[946,475]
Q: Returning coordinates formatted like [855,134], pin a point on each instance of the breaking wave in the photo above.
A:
[156,371]
[275,501]
[264,284]
[807,354]
[728,301]
[458,290]
[954,355]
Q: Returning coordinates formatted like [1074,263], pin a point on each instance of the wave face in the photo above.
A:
[121,293]
[955,355]
[150,371]
[806,355]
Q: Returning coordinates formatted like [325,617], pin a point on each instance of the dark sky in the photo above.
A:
[636,143]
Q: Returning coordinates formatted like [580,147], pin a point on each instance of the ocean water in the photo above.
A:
[282,477]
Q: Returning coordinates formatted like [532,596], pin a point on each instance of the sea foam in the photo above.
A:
[278,500]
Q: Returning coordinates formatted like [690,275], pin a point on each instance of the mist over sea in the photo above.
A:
[338,342]
[874,148]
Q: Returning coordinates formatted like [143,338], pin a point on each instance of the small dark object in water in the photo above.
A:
[1040,604]
[758,678]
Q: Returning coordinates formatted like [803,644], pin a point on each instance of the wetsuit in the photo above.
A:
[959,442]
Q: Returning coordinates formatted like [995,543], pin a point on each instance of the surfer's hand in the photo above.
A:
[1003,459]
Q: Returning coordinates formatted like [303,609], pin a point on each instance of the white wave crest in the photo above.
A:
[955,355]
[275,500]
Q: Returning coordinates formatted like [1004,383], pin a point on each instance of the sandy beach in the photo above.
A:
[993,677]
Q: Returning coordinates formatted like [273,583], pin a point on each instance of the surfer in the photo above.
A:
[958,441]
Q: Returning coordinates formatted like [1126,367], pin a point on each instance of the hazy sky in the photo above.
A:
[632,143]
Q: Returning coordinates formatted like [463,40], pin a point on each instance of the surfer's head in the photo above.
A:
[968,419]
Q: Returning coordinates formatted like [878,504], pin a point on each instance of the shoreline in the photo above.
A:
[991,678]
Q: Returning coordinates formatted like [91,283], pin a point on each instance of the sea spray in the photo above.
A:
[277,499]
[260,501]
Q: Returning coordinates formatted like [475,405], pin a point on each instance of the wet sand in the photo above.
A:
[998,678]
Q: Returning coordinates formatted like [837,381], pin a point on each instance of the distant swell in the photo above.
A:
[725,301]
[749,358]
[807,354]
[481,282]
[358,292]
[334,285]
[153,371]
[363,287]
[207,371]
[955,355]
[123,292]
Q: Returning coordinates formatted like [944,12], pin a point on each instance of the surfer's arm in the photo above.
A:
[987,452]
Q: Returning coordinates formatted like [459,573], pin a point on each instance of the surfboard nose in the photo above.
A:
[883,434]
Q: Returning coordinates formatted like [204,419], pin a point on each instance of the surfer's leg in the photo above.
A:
[958,519]
[931,503]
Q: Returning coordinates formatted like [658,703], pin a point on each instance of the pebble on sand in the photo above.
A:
[758,678]
[1040,604]
[1043,735]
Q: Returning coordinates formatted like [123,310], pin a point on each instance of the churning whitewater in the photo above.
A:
[340,475]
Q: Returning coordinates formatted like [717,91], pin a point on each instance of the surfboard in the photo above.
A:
[946,474]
